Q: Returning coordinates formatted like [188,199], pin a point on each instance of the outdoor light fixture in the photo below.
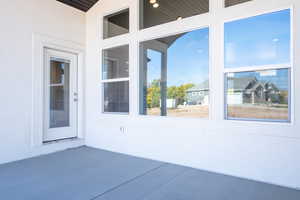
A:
[156,5]
[179,18]
[152,1]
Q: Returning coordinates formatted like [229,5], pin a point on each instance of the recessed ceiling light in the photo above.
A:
[152,1]
[156,5]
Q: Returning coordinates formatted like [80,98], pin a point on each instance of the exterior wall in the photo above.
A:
[19,20]
[266,152]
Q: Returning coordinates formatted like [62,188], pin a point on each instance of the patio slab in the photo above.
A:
[90,174]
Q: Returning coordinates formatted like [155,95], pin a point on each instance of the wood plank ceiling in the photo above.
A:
[83,5]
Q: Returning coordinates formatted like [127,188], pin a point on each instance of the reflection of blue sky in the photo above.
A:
[154,65]
[260,40]
[278,77]
[188,59]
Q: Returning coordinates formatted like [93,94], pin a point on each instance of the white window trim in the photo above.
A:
[289,66]
[263,68]
[105,14]
[113,80]
[102,94]
[257,68]
[214,20]
[153,48]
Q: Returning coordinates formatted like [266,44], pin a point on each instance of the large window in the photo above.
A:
[116,24]
[173,68]
[257,65]
[155,12]
[115,80]
[174,75]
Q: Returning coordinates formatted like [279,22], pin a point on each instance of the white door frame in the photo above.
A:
[40,43]
[69,131]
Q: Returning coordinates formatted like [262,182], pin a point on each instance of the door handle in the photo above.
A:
[75,96]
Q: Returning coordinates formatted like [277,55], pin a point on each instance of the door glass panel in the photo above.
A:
[57,71]
[59,93]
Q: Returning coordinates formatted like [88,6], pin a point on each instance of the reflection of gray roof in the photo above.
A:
[249,84]
[240,83]
[200,87]
[171,39]
[262,84]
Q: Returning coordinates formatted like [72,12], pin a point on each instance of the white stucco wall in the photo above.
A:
[267,152]
[19,19]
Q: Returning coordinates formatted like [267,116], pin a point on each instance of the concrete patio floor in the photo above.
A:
[90,174]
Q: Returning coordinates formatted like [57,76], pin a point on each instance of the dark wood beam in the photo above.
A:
[83,5]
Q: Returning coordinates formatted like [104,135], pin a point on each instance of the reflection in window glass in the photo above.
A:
[174,75]
[234,2]
[153,97]
[155,12]
[116,24]
[116,97]
[57,70]
[258,95]
[115,63]
[59,93]
[246,46]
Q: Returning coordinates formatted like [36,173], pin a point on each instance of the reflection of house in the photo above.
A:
[198,94]
[250,90]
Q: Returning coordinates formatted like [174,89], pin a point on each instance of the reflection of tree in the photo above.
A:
[284,94]
[153,94]
[179,93]
[173,92]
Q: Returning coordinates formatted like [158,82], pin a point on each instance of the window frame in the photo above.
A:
[289,66]
[114,80]
[214,20]
[258,68]
[145,39]
[113,12]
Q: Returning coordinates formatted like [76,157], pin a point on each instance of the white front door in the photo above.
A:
[60,95]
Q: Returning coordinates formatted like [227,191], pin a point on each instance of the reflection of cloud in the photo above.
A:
[268,73]
[266,52]
[200,51]
[230,53]
[192,44]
